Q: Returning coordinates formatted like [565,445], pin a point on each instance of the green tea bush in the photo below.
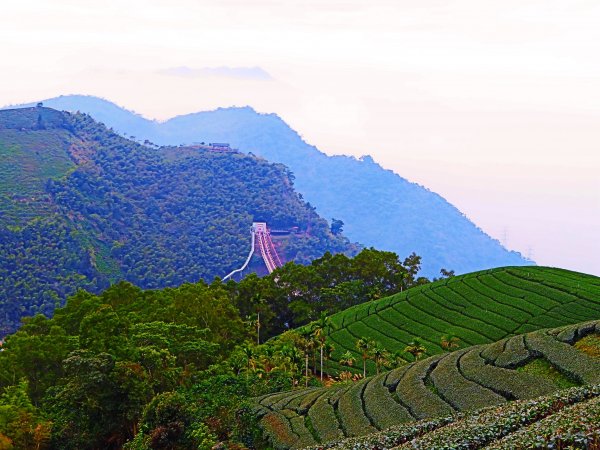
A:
[564,357]
[508,383]
[502,305]
[462,394]
[305,438]
[515,353]
[516,296]
[350,408]
[285,402]
[390,437]
[394,377]
[577,426]
[303,404]
[381,407]
[517,284]
[278,430]
[491,352]
[324,420]
[487,425]
[416,396]
[400,321]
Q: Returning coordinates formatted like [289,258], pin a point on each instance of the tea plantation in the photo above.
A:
[443,385]
[477,308]
[567,419]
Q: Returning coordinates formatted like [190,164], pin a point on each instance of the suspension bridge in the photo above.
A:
[261,237]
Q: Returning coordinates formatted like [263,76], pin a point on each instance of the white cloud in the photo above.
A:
[245,73]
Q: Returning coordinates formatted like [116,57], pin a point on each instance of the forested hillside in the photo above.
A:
[379,208]
[81,206]
[174,367]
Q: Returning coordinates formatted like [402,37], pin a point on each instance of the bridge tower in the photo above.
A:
[261,237]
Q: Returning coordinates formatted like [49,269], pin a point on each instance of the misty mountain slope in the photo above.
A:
[379,208]
[81,206]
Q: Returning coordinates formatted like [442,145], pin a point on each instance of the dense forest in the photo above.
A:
[175,368]
[81,207]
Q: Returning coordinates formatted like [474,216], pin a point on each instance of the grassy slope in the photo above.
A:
[440,386]
[479,308]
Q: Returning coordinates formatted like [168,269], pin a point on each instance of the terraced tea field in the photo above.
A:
[478,308]
[439,386]
[567,419]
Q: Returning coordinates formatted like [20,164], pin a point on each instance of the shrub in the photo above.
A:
[303,404]
[305,438]
[573,427]
[492,351]
[278,430]
[478,428]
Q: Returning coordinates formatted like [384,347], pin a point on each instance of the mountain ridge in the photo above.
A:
[402,216]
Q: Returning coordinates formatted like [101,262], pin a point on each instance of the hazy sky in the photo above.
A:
[494,105]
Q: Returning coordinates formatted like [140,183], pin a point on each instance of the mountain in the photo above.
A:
[81,207]
[436,390]
[477,308]
[378,207]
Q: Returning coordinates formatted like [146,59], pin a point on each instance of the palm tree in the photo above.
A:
[268,358]
[347,359]
[291,359]
[364,345]
[449,342]
[415,348]
[381,357]
[319,330]
[345,375]
[249,354]
[306,344]
[259,303]
[328,351]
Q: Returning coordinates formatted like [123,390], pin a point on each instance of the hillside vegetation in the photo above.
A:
[173,367]
[81,207]
[440,386]
[380,208]
[476,308]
